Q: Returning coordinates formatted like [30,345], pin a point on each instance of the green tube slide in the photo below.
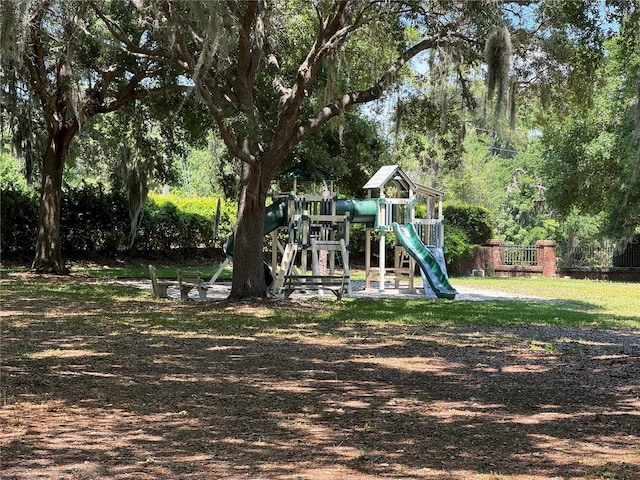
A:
[430,268]
[360,211]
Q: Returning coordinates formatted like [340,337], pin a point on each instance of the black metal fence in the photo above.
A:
[601,256]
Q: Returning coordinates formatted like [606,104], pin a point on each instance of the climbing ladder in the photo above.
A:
[403,267]
[287,265]
[314,281]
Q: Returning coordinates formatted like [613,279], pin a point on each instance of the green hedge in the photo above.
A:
[170,221]
[96,221]
[93,220]
[18,223]
[466,226]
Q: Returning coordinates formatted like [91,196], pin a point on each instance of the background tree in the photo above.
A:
[547,61]
[349,147]
[60,61]
[593,151]
[140,147]
[431,134]
[206,170]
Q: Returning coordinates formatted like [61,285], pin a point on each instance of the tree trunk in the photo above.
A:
[248,273]
[48,256]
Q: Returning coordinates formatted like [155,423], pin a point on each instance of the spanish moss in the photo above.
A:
[497,51]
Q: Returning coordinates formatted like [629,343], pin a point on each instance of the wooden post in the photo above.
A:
[367,258]
[274,250]
[382,260]
[382,218]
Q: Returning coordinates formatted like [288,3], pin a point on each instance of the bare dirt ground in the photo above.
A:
[97,391]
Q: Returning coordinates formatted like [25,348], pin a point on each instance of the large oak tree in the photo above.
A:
[58,56]
[273,73]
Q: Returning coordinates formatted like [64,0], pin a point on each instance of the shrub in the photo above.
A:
[18,222]
[93,220]
[170,221]
[96,221]
[475,221]
[160,227]
[458,249]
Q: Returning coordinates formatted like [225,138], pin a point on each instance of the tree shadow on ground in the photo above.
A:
[146,389]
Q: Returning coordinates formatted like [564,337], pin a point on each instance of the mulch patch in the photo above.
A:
[94,391]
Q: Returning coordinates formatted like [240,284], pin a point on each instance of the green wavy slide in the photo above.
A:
[430,269]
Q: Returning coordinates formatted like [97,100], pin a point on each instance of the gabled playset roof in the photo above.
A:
[393,173]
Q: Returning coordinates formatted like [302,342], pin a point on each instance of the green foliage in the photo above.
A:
[151,141]
[357,241]
[465,226]
[203,170]
[481,177]
[10,175]
[348,147]
[18,222]
[592,151]
[458,249]
[93,220]
[476,222]
[429,136]
[580,229]
[172,221]
[165,227]
[524,216]
[357,238]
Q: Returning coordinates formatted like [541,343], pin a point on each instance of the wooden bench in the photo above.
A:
[188,280]
[158,287]
[315,282]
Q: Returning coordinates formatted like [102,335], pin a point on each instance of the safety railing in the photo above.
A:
[521,255]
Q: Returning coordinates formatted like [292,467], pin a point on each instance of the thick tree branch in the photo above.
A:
[227,136]
[336,107]
[34,59]
[157,54]
[122,101]
[333,32]
[250,47]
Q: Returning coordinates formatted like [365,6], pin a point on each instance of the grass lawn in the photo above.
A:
[606,299]
[100,380]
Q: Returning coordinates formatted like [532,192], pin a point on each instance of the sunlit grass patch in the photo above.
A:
[620,299]
[563,303]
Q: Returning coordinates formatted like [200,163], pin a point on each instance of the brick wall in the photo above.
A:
[488,259]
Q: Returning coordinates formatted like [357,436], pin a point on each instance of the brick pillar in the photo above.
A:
[481,257]
[547,257]
[495,252]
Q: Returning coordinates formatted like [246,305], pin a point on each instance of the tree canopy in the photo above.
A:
[593,150]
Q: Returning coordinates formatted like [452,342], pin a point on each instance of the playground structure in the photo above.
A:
[310,233]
